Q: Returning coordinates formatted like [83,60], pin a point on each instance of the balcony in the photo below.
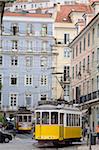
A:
[89,97]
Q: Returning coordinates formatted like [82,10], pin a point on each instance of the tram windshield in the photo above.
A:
[38,117]
[54,117]
[45,117]
[29,118]
[20,118]
[25,118]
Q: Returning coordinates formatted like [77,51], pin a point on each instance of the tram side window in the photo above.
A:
[67,119]
[76,120]
[45,117]
[20,118]
[54,117]
[79,120]
[25,118]
[29,118]
[38,117]
[72,119]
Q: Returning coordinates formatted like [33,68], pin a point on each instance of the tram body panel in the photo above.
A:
[47,132]
[72,132]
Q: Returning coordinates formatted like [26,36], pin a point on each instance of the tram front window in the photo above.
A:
[45,117]
[54,117]
[38,117]
[20,118]
[25,118]
[29,118]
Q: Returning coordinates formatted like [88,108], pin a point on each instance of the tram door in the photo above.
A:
[61,126]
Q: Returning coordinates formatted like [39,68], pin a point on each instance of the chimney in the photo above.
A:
[58,7]
[88,18]
[80,25]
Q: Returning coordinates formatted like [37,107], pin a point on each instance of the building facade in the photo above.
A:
[85,69]
[66,17]
[25,60]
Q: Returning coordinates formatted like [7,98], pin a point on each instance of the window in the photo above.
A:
[73,53]
[67,90]
[84,43]
[43,80]
[54,117]
[67,119]
[28,100]
[28,80]
[83,65]
[97,82]
[43,62]
[98,55]
[13,80]
[45,117]
[15,29]
[29,29]
[84,89]
[38,117]
[88,87]
[44,46]
[76,50]
[88,39]
[43,97]
[0,78]
[98,30]
[70,119]
[29,119]
[24,118]
[93,35]
[66,72]
[66,53]
[80,67]
[88,63]
[76,71]
[14,60]
[92,84]
[66,38]
[29,45]
[13,99]
[20,119]
[72,72]
[29,61]
[80,47]
[44,30]
[92,58]
[1,60]
[14,45]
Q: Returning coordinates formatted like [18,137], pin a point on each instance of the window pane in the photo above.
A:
[38,117]
[45,118]
[54,118]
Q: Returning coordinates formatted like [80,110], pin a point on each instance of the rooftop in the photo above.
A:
[27,15]
[65,10]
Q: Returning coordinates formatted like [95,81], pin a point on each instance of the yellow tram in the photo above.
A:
[24,119]
[57,124]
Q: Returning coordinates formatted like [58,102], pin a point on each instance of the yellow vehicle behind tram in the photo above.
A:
[57,124]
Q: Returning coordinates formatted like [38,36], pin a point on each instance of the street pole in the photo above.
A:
[89,110]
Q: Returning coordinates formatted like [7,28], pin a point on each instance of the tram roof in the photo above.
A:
[58,107]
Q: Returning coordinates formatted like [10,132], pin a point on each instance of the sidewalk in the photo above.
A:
[85,147]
